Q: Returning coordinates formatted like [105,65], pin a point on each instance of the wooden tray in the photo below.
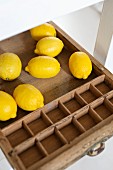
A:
[76,116]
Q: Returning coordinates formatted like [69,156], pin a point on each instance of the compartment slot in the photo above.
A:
[95,115]
[95,91]
[78,125]
[46,119]
[58,113]
[104,110]
[105,86]
[70,131]
[39,124]
[52,142]
[32,155]
[80,99]
[62,138]
[63,108]
[90,94]
[75,103]
[86,120]
[108,104]
[19,136]
[40,146]
[27,128]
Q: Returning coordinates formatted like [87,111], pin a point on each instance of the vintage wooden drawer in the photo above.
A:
[77,114]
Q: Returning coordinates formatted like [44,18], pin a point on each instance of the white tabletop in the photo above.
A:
[4,163]
[17,16]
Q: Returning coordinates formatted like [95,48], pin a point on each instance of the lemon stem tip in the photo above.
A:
[36,51]
[26,69]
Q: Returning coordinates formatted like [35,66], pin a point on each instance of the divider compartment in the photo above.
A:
[105,85]
[74,103]
[87,118]
[57,113]
[104,108]
[19,135]
[69,130]
[89,92]
[31,155]
[52,142]
[39,124]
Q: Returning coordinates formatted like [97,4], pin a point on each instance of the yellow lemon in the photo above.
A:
[80,65]
[28,97]
[8,106]
[43,67]
[50,46]
[10,66]
[41,31]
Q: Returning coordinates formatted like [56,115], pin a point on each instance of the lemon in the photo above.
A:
[42,31]
[28,97]
[43,67]
[8,106]
[10,66]
[80,65]
[50,46]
